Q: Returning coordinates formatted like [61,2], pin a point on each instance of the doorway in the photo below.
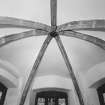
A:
[51,98]
[3,91]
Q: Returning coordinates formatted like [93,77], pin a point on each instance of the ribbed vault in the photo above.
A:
[39,29]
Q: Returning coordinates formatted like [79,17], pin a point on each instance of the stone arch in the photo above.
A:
[8,74]
[52,81]
[96,76]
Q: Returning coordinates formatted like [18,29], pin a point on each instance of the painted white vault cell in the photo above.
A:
[39,10]
[27,49]
[55,66]
[83,55]
[54,62]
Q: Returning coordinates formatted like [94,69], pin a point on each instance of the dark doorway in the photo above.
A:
[3,91]
[101,94]
[51,98]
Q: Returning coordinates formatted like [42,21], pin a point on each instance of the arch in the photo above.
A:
[52,81]
[96,76]
[8,74]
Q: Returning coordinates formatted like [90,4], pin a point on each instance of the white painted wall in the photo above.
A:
[9,76]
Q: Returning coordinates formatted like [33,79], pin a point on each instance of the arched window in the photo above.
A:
[51,98]
[3,91]
[101,94]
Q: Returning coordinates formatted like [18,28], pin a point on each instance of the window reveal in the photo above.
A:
[51,98]
[101,94]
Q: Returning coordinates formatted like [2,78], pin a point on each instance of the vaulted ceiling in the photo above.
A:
[82,54]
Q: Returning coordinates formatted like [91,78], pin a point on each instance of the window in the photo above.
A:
[51,98]
[101,94]
[41,101]
[3,91]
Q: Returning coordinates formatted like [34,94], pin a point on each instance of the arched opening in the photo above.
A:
[95,78]
[9,83]
[52,89]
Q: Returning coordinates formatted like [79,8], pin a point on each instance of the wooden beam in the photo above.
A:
[15,22]
[95,25]
[34,69]
[53,4]
[94,40]
[70,69]
[13,37]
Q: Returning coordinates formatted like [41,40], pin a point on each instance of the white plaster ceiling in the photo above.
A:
[39,10]
[22,54]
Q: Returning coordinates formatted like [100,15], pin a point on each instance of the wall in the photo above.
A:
[9,76]
[91,80]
